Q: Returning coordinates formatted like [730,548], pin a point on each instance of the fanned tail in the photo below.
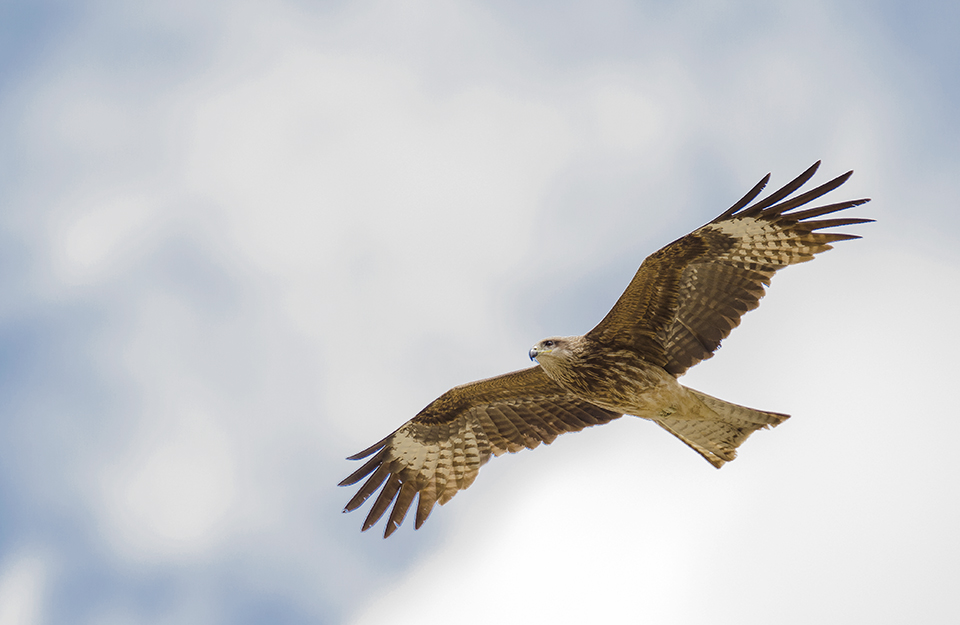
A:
[725,427]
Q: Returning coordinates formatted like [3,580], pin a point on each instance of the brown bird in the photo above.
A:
[682,302]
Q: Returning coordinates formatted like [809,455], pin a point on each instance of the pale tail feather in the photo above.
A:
[717,437]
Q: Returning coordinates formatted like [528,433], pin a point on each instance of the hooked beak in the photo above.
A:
[534,353]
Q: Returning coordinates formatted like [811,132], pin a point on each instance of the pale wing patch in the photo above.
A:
[435,461]
[744,247]
[686,297]
[758,241]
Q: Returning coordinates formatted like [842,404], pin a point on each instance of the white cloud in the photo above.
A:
[23,578]
[173,493]
[105,234]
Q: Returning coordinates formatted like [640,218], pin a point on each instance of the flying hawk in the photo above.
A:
[681,303]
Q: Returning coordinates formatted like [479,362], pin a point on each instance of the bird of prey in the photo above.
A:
[682,302]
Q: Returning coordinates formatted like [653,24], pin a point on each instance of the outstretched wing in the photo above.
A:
[688,296]
[439,452]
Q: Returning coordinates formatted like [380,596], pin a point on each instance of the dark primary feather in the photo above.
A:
[689,295]
[438,452]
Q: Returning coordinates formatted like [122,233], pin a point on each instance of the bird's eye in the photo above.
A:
[548,343]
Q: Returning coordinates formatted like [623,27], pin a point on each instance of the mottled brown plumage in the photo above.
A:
[682,302]
[440,451]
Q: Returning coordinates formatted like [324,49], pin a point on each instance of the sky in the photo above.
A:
[240,241]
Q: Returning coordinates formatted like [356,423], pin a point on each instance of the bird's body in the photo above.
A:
[682,302]
[617,379]
[614,378]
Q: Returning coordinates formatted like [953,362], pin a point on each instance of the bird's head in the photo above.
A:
[554,347]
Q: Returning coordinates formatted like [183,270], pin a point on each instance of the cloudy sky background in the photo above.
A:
[240,241]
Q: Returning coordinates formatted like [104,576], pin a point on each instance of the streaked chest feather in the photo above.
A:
[618,380]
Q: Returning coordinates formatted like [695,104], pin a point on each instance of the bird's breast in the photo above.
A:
[619,380]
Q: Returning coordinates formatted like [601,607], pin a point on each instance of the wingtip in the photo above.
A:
[360,455]
[746,199]
[809,172]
